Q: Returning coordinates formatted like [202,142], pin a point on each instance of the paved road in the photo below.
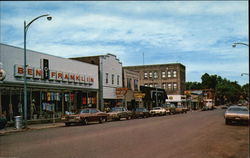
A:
[191,135]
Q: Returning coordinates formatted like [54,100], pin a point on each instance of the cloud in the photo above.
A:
[166,31]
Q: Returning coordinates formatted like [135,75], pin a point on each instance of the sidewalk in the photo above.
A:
[8,130]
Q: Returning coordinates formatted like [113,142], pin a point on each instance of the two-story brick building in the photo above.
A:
[170,77]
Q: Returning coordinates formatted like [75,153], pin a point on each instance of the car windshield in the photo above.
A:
[116,109]
[84,111]
[237,109]
[94,111]
[157,108]
[166,105]
[172,106]
[140,109]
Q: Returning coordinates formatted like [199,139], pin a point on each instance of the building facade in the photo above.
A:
[170,77]
[54,84]
[131,83]
[110,77]
[198,99]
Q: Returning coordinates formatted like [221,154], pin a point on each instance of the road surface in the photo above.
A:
[199,134]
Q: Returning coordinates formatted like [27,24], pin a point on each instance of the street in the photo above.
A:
[192,135]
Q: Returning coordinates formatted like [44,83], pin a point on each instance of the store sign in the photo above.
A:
[2,74]
[37,73]
[45,66]
[139,95]
[121,92]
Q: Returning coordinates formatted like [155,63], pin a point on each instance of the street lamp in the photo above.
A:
[234,45]
[244,74]
[25,65]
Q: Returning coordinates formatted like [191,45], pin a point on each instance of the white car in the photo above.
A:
[158,111]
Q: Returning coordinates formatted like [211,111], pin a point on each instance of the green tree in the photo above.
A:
[245,91]
[193,85]
[209,81]
[226,91]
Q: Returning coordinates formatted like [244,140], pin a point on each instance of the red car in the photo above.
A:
[85,116]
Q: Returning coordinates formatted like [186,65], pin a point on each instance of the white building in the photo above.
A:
[110,76]
[54,84]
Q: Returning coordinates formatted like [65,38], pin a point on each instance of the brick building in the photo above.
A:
[170,77]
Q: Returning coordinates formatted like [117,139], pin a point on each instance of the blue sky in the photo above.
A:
[198,34]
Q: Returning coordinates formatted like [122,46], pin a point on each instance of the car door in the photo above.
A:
[124,113]
[93,115]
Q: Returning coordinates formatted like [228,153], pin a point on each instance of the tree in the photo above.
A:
[193,85]
[208,81]
[226,91]
[245,91]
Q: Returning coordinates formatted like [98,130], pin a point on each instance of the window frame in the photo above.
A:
[107,78]
[113,79]
[163,75]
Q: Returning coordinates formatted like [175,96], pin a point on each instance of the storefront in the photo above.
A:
[177,100]
[153,96]
[55,85]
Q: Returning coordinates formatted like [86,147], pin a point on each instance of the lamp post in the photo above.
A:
[25,65]
[235,44]
[245,44]
[244,74]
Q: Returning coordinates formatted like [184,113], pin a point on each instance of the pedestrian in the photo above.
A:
[32,108]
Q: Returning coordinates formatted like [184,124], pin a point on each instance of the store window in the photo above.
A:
[113,78]
[169,73]
[174,73]
[155,75]
[107,78]
[163,74]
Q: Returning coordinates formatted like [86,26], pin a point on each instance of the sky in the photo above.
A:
[197,34]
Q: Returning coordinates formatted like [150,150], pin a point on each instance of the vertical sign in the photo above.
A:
[45,66]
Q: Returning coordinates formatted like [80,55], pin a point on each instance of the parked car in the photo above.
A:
[141,113]
[85,116]
[237,114]
[180,109]
[185,109]
[117,113]
[170,108]
[223,107]
[158,111]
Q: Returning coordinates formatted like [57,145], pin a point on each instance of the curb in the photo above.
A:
[4,132]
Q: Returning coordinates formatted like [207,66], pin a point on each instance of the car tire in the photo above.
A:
[67,124]
[100,120]
[85,121]
[227,122]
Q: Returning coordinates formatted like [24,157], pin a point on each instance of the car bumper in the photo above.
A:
[238,119]
[67,120]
